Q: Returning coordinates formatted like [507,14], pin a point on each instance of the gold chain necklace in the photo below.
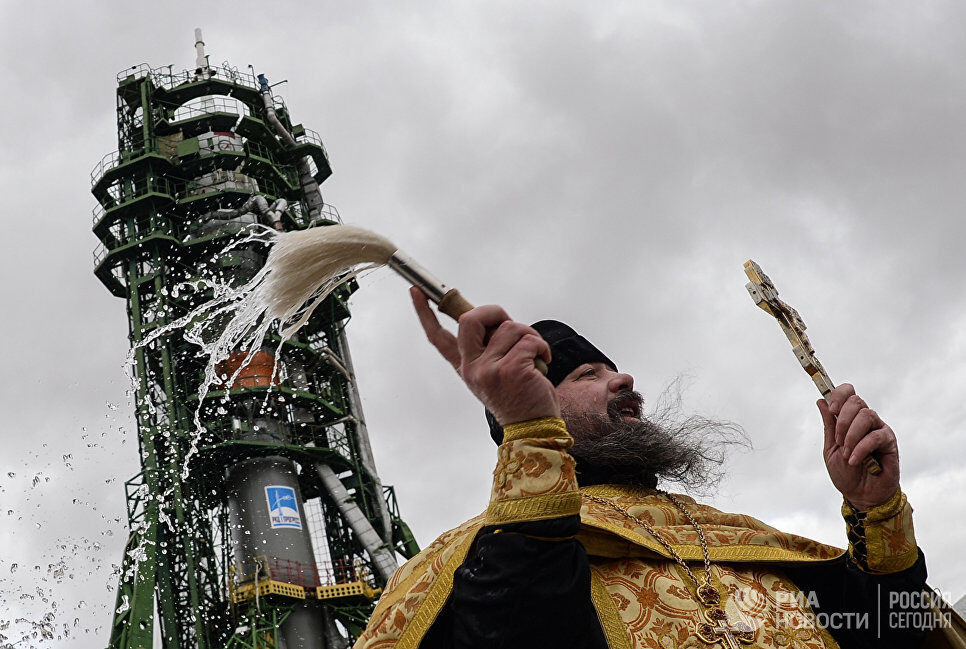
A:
[716,627]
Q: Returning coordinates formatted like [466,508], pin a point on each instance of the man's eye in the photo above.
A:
[588,372]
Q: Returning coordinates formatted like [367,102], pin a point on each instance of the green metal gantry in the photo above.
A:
[197,151]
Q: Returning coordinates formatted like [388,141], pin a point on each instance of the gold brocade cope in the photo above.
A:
[416,594]
[651,602]
[418,590]
[643,596]
[731,537]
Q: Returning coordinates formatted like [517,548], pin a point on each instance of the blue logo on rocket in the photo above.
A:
[283,509]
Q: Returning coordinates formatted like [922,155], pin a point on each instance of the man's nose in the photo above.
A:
[620,381]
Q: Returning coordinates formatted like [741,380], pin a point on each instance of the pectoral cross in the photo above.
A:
[715,628]
[765,295]
[718,630]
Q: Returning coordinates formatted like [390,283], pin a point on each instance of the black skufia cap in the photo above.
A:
[568,351]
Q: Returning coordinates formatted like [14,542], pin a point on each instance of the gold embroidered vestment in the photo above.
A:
[642,597]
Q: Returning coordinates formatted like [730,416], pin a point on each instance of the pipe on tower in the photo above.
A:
[362,434]
[313,195]
[272,213]
[383,560]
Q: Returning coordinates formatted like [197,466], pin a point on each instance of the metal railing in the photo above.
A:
[181,230]
[314,138]
[108,162]
[210,104]
[260,150]
[140,229]
[126,190]
[99,253]
[307,575]
[97,213]
[166,77]
[251,148]
[328,212]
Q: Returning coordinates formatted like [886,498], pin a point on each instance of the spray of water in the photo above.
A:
[302,269]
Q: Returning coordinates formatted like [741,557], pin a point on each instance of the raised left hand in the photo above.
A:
[852,432]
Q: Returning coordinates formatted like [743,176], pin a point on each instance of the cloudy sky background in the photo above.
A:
[608,164]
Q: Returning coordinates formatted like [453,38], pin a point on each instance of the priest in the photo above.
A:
[580,548]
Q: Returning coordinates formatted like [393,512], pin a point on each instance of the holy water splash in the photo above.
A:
[302,269]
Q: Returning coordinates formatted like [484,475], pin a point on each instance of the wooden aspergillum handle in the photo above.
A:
[454,305]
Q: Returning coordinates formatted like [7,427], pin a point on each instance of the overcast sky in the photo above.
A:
[610,164]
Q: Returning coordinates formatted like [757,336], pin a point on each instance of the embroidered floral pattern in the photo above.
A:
[791,637]
[506,466]
[882,540]
[533,467]
[408,588]
[660,611]
[731,536]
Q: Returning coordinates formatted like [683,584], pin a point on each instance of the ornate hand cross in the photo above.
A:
[765,295]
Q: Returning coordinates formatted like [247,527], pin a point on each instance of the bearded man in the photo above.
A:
[578,548]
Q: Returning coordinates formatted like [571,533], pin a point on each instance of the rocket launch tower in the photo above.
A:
[268,526]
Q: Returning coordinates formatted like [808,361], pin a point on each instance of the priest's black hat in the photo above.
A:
[568,351]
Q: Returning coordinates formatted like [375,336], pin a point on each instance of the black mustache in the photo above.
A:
[624,399]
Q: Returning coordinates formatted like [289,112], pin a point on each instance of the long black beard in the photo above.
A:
[662,446]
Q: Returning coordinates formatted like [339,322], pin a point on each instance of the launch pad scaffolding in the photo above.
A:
[195,151]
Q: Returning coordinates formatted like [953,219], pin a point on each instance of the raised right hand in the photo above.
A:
[494,355]
[853,431]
